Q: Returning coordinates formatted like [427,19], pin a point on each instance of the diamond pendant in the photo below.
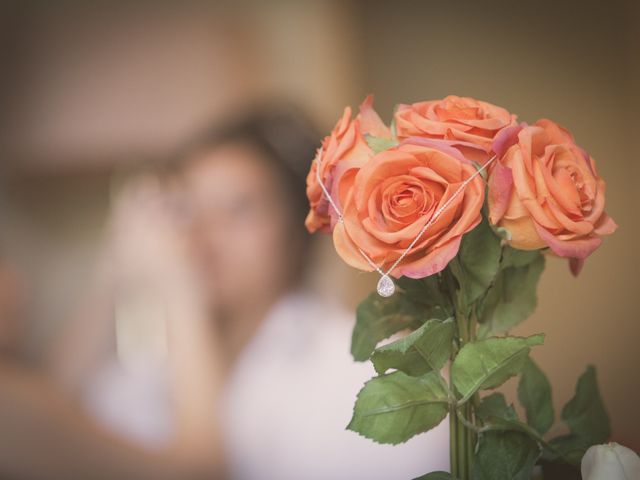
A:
[386,287]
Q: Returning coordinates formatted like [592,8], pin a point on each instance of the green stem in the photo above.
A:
[461,450]
[453,442]
[462,423]
[471,439]
[463,459]
[471,407]
[464,439]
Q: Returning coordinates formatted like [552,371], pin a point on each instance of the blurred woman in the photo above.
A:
[221,353]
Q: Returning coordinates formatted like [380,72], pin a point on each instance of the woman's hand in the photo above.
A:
[147,238]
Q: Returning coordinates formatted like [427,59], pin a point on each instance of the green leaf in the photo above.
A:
[479,260]
[426,349]
[587,419]
[436,476]
[565,448]
[512,298]
[570,448]
[506,455]
[585,412]
[393,408]
[534,393]
[380,144]
[512,257]
[495,406]
[429,294]
[488,363]
[378,318]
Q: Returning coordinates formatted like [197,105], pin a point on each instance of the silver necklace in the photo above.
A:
[385,286]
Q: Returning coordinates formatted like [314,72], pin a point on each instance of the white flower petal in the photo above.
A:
[610,462]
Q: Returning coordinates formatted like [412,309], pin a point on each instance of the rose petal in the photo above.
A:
[347,249]
[500,187]
[523,232]
[505,138]
[445,146]
[575,266]
[606,225]
[557,133]
[370,122]
[579,248]
[431,263]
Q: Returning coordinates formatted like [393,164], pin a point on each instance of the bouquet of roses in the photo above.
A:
[455,205]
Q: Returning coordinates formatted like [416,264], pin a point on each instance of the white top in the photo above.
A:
[286,405]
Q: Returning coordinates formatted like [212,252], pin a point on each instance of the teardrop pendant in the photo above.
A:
[386,287]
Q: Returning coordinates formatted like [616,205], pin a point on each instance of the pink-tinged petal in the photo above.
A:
[427,173]
[516,208]
[470,211]
[579,248]
[532,140]
[575,265]
[500,187]
[349,140]
[557,133]
[357,157]
[472,152]
[597,209]
[606,225]
[370,122]
[563,189]
[445,146]
[315,223]
[393,237]
[341,191]
[525,188]
[489,123]
[589,162]
[434,262]
[344,122]
[506,138]
[402,107]
[469,151]
[359,236]
[576,228]
[456,135]
[431,127]
[348,250]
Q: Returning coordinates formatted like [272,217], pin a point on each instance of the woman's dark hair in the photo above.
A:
[285,138]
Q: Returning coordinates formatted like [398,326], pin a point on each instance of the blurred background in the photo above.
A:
[91,89]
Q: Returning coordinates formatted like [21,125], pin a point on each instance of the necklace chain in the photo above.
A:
[385,285]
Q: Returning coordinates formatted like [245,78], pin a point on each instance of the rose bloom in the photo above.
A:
[389,200]
[545,191]
[342,151]
[468,124]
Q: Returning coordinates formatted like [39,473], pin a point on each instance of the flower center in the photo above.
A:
[404,200]
[585,199]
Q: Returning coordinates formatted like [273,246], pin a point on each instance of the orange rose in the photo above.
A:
[389,200]
[468,124]
[544,189]
[343,150]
